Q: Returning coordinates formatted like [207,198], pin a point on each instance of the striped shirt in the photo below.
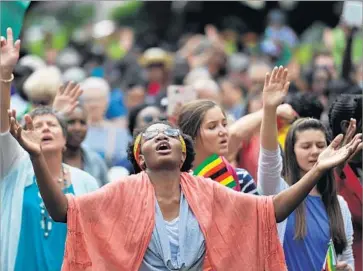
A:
[246,182]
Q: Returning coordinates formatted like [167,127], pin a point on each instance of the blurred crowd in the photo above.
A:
[123,94]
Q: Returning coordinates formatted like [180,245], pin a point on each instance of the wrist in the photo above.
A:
[36,155]
[6,73]
[318,168]
[270,109]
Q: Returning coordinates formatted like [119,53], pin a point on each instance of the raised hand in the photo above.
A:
[9,54]
[275,88]
[347,138]
[335,154]
[66,99]
[29,139]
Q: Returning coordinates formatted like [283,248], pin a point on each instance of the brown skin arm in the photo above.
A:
[54,199]
[287,201]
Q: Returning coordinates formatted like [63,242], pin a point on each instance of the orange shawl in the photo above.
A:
[110,229]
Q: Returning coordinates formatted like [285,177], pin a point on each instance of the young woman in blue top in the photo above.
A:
[323,216]
[30,239]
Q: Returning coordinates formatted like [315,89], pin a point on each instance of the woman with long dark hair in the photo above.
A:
[349,176]
[323,216]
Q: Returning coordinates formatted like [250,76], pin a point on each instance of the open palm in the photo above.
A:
[276,87]
[9,52]
[29,139]
[335,154]
[66,99]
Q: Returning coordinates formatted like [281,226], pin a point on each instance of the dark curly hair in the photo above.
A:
[188,163]
[346,106]
[306,104]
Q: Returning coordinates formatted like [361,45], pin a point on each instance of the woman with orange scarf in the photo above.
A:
[166,219]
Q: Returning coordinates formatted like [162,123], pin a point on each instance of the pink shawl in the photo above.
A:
[110,229]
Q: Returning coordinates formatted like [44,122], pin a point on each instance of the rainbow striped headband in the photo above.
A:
[137,147]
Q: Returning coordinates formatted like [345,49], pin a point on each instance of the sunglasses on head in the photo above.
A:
[170,132]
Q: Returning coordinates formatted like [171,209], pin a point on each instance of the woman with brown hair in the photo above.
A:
[323,216]
[206,123]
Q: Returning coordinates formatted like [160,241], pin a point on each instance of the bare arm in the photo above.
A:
[4,101]
[9,55]
[54,199]
[242,129]
[287,201]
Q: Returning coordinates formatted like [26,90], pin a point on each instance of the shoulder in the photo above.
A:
[343,206]
[92,155]
[81,180]
[243,174]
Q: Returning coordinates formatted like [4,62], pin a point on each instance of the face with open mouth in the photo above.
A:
[161,147]
[213,133]
[52,137]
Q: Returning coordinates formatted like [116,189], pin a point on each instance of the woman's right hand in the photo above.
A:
[275,88]
[9,54]
[29,139]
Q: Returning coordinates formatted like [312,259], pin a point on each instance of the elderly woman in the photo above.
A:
[166,219]
[30,238]
[42,86]
[104,137]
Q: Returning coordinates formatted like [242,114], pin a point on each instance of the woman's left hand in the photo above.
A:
[66,99]
[350,132]
[343,266]
[335,154]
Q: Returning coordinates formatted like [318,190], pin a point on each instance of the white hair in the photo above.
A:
[257,68]
[92,83]
[32,61]
[75,74]
[98,84]
[44,82]
[196,75]
[206,84]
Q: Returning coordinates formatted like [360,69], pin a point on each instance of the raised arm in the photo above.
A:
[287,201]
[270,160]
[54,199]
[242,129]
[9,55]
[10,151]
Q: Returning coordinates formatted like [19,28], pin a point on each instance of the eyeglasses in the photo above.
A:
[170,132]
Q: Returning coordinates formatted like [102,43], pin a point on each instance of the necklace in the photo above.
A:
[46,222]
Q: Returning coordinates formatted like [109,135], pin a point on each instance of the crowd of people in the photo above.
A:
[261,172]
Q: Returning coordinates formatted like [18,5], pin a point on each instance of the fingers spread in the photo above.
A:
[28,122]
[10,38]
[267,79]
[336,141]
[274,74]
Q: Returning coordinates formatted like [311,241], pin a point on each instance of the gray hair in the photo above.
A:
[207,84]
[95,83]
[44,82]
[47,110]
